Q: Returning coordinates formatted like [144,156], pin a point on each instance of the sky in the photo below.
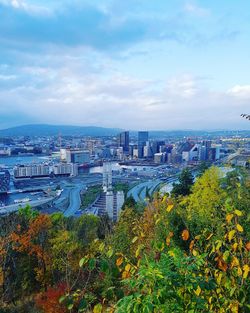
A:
[134,64]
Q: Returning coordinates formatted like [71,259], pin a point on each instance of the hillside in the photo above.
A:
[188,252]
[54,130]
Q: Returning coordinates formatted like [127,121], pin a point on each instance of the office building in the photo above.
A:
[110,202]
[123,141]
[142,141]
[4,181]
[78,156]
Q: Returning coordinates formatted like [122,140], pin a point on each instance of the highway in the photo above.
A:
[139,191]
[15,207]
[74,200]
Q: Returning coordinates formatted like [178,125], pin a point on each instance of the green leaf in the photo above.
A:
[92,264]
[110,253]
[62,299]
[83,261]
[82,305]
[104,266]
[70,306]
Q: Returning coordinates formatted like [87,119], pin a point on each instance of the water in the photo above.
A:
[22,160]
[8,199]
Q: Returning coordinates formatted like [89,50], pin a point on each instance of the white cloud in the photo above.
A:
[66,94]
[7,77]
[27,7]
[196,10]
[240,91]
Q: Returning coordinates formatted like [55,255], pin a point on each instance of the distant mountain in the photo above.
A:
[54,130]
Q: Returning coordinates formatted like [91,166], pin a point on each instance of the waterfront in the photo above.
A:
[23,160]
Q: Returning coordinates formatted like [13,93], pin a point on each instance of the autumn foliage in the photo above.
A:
[48,301]
[186,253]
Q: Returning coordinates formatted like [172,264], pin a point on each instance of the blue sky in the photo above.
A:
[134,64]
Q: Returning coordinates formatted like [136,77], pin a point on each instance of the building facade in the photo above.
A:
[4,181]
[123,141]
[142,141]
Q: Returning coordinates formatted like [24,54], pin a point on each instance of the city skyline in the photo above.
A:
[134,65]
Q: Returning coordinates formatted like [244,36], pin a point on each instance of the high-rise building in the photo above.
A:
[4,181]
[123,141]
[110,202]
[142,141]
[107,177]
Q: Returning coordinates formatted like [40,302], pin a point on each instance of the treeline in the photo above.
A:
[188,252]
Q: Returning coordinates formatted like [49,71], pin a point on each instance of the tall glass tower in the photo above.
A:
[142,140]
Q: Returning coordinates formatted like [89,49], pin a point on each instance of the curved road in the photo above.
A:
[74,201]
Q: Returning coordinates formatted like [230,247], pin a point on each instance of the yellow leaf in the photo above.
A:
[198,291]
[168,241]
[134,239]
[246,270]
[234,262]
[234,307]
[234,246]
[127,267]
[231,235]
[209,236]
[125,275]
[102,246]
[239,271]
[219,244]
[137,252]
[97,308]
[239,228]
[157,221]
[195,253]
[119,261]
[218,278]
[170,207]
[229,218]
[171,253]
[164,199]
[238,212]
[185,235]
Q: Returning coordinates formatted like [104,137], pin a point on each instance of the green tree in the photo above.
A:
[186,181]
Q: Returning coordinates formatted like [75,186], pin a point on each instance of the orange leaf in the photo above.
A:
[119,261]
[229,218]
[185,235]
[191,246]
[248,246]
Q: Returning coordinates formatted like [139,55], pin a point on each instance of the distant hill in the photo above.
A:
[66,130]
[54,130]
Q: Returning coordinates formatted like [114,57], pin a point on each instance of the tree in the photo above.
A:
[203,205]
[129,202]
[203,166]
[186,181]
